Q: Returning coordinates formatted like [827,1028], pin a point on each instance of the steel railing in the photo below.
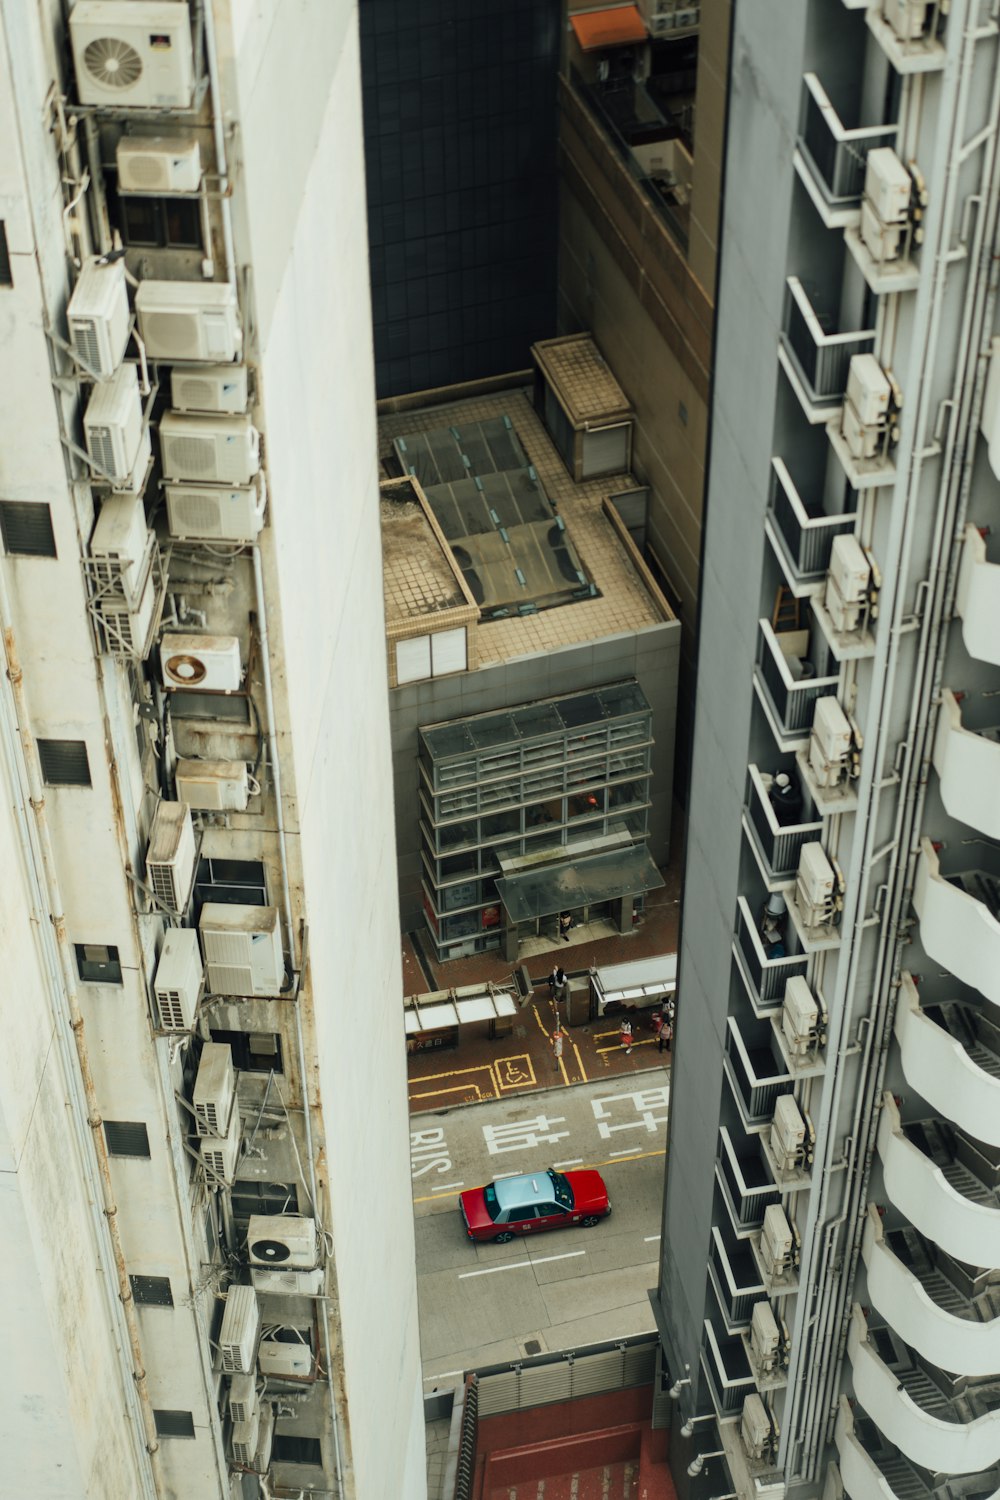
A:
[838,155]
[808,539]
[822,354]
[792,697]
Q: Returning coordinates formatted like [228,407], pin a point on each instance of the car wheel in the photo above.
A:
[501,1239]
[589,1221]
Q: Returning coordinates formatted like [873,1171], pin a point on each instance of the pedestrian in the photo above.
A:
[557,983]
[557,1046]
[658,1027]
[625,1034]
[565,925]
[666,1032]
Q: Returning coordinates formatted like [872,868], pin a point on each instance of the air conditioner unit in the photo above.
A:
[210,663]
[98,315]
[126,628]
[288,1283]
[285,1361]
[288,1241]
[245,1437]
[170,856]
[847,582]
[221,1154]
[117,442]
[214,1089]
[830,743]
[217,513]
[765,1336]
[243,1399]
[242,949]
[240,1331]
[132,53]
[865,415]
[776,1241]
[888,186]
[755,1427]
[799,1018]
[814,886]
[788,1134]
[213,785]
[120,546]
[908,18]
[178,981]
[189,320]
[216,449]
[210,388]
[158,164]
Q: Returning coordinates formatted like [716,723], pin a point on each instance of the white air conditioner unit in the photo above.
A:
[830,743]
[848,578]
[908,18]
[788,1134]
[98,315]
[888,188]
[286,1361]
[217,513]
[288,1241]
[815,886]
[265,1441]
[208,663]
[158,164]
[210,388]
[221,1154]
[120,546]
[214,449]
[755,1427]
[213,785]
[243,1399]
[126,627]
[288,1283]
[117,442]
[865,414]
[178,981]
[189,320]
[170,856]
[132,53]
[214,1089]
[765,1336]
[799,1018]
[776,1241]
[240,1331]
[246,1433]
[242,948]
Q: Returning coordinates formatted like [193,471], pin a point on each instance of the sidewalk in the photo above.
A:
[480,1068]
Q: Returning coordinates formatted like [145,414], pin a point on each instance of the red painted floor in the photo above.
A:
[610,1482]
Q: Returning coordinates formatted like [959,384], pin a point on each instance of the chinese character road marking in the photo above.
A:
[428,1152]
[644,1102]
[523,1134]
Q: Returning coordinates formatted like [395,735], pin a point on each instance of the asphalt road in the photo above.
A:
[485,1304]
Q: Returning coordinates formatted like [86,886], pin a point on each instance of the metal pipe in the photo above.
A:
[219,138]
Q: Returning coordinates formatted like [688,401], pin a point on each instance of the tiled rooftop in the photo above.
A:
[625,603]
[583,382]
[419,577]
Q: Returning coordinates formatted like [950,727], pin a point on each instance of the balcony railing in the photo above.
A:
[804,538]
[951,1056]
[790,683]
[755,1076]
[737,1282]
[978,598]
[746,1181]
[777,845]
[835,155]
[959,911]
[768,976]
[728,1373]
[967,760]
[821,355]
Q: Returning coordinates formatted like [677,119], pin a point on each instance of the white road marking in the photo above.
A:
[518,1265]
[644,1102]
[442,1375]
[650,1237]
[629,1151]
[442,1187]
[501,1175]
[522,1134]
[575,1161]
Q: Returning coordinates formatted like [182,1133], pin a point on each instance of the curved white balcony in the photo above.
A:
[938,1066]
[978,598]
[859,1473]
[919,1189]
[956,928]
[967,761]
[952,1343]
[941,1446]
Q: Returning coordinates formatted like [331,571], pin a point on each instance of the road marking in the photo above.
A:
[650,1238]
[579,1063]
[442,1375]
[518,1265]
[521,1135]
[444,1186]
[638,1156]
[629,1151]
[574,1161]
[500,1175]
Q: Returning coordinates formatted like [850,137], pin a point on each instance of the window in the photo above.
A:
[173,1423]
[239,882]
[263,1198]
[6,275]
[64,762]
[97,963]
[253,1051]
[289,1448]
[161,223]
[521,1215]
[152,1291]
[126,1138]
[26,529]
[185,705]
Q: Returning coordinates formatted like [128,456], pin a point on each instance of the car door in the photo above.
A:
[522,1220]
[551,1216]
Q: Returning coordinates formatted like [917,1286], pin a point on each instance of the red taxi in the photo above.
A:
[532,1203]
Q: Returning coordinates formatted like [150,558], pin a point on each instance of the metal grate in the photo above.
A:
[126,1138]
[27,529]
[173,1423]
[64,762]
[152,1291]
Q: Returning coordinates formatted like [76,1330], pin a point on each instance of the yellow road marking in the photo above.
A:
[456,1088]
[579,1063]
[616,1161]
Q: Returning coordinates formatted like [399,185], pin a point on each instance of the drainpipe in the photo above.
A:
[219,139]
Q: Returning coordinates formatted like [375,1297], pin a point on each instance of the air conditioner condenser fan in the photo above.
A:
[273,1251]
[113,62]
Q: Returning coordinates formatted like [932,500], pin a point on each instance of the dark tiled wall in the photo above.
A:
[460,144]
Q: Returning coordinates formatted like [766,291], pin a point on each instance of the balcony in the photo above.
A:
[775,845]
[967,760]
[951,1056]
[959,911]
[942,1195]
[800,532]
[978,599]
[735,1281]
[814,356]
[727,1372]
[830,158]
[870,1467]
[745,1181]
[787,684]
[765,978]
[917,1299]
[756,1076]
[921,54]
[910,1408]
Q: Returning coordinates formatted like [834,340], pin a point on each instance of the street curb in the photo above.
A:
[551,1088]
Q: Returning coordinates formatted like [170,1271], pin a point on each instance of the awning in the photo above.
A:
[578,882]
[609,28]
[644,979]
[436,1014]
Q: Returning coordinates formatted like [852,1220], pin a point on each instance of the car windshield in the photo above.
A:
[561,1189]
[490,1199]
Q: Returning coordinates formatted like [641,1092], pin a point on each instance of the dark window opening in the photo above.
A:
[239,882]
[64,762]
[173,1423]
[253,1051]
[184,705]
[263,1198]
[126,1138]
[6,274]
[98,963]
[161,223]
[289,1448]
[26,529]
[152,1291]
